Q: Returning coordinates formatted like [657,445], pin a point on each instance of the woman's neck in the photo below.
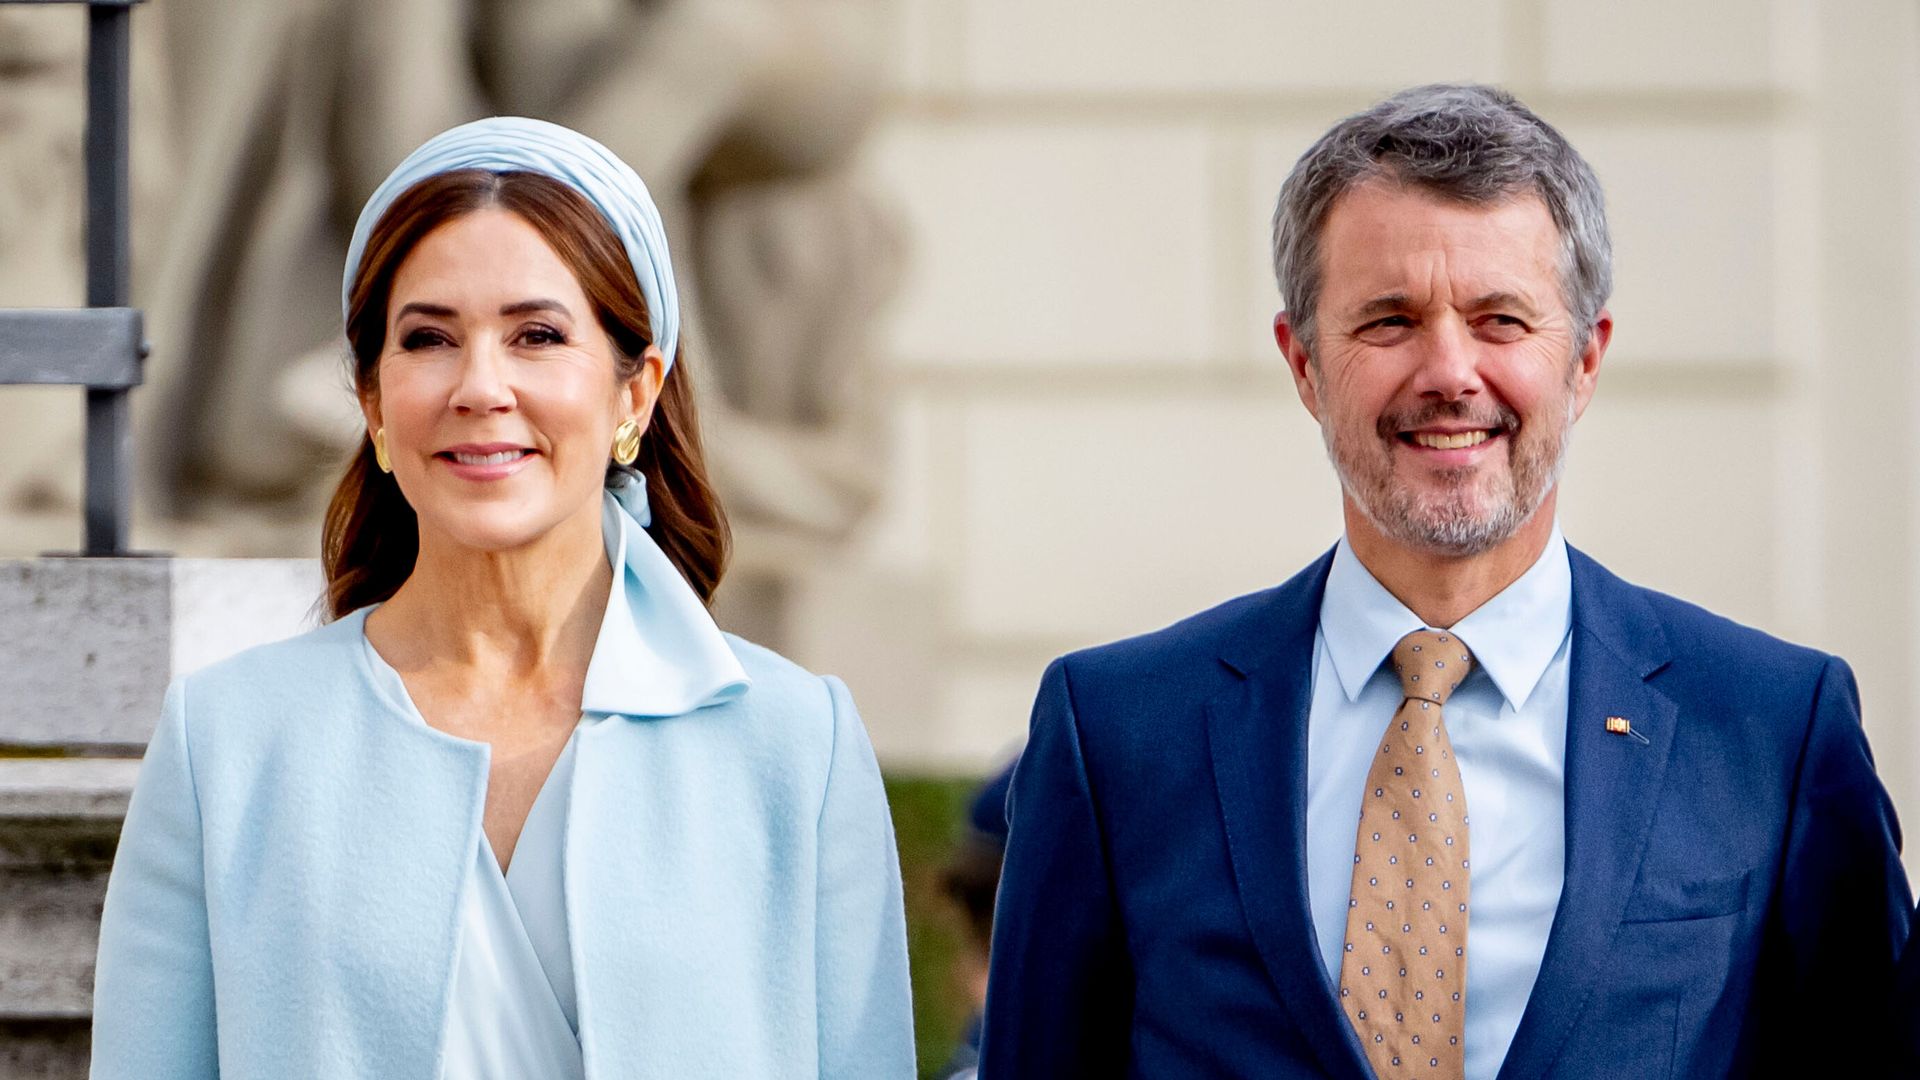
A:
[532,608]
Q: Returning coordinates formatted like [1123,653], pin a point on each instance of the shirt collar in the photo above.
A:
[1513,636]
[659,652]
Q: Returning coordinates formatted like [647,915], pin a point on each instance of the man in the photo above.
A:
[1454,801]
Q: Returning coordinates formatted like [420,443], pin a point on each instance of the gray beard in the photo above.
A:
[1451,528]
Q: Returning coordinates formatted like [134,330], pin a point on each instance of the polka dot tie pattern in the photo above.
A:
[1404,962]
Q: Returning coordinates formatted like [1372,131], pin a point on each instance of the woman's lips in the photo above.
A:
[485,463]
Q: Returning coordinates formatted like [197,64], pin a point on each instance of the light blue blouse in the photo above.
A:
[513,1009]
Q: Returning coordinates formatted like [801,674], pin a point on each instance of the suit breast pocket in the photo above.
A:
[1668,970]
[1663,899]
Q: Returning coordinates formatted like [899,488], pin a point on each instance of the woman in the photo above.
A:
[520,810]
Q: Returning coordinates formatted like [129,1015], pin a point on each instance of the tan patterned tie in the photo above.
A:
[1403,969]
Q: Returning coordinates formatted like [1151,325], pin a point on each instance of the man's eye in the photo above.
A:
[1386,330]
[1502,327]
[423,339]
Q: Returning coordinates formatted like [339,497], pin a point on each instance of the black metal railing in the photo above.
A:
[101,346]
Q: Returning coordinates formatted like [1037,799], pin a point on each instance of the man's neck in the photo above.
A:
[1443,589]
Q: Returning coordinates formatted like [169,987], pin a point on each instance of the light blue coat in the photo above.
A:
[285,898]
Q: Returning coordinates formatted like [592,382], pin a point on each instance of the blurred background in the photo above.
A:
[981,307]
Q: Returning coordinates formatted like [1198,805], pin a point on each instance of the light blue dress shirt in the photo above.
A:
[1508,724]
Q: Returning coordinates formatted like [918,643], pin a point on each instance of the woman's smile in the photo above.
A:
[485,462]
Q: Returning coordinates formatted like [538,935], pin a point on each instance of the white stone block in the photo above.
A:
[984,725]
[1680,494]
[1657,44]
[899,533]
[880,631]
[1089,519]
[92,643]
[1076,243]
[925,51]
[1132,47]
[1695,240]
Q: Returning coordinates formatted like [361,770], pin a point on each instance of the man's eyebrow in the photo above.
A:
[1383,305]
[437,311]
[1502,300]
[526,306]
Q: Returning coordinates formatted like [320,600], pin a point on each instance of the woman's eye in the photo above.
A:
[542,335]
[422,339]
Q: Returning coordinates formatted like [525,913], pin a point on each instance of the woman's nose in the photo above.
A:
[484,385]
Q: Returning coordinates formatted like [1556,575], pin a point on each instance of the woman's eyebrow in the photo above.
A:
[525,306]
[437,311]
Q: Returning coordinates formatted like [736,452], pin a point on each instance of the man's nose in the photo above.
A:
[1449,361]
[484,385]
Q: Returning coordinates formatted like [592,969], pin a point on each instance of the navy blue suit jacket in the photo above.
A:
[1733,897]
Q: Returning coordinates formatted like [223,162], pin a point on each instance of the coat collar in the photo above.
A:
[659,652]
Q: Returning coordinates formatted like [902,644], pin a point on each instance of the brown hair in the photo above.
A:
[371,537]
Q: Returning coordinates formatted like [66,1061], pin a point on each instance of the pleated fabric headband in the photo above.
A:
[522,144]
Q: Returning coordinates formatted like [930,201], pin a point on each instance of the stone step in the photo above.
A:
[59,825]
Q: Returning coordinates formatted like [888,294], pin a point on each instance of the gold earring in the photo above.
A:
[626,442]
[380,457]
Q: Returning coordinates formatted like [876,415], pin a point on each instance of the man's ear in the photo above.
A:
[1586,376]
[1299,361]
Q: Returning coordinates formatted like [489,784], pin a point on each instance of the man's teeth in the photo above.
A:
[1456,441]
[500,458]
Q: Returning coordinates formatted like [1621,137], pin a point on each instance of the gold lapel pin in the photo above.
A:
[1620,725]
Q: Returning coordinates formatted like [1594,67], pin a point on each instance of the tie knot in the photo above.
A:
[1431,664]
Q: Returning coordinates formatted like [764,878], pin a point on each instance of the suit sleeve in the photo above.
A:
[153,1011]
[1843,909]
[865,1002]
[1060,986]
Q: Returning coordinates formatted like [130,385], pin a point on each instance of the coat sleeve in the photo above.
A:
[1842,911]
[1060,986]
[865,1002]
[153,1014]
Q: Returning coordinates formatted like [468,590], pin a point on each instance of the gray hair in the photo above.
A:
[1466,143]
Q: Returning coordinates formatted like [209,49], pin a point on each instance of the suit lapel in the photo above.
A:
[1257,735]
[1612,785]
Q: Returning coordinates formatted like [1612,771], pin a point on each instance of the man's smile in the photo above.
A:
[1451,445]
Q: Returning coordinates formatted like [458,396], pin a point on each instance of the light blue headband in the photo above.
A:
[519,144]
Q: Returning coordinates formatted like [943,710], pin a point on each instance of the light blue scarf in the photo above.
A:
[520,144]
[659,652]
